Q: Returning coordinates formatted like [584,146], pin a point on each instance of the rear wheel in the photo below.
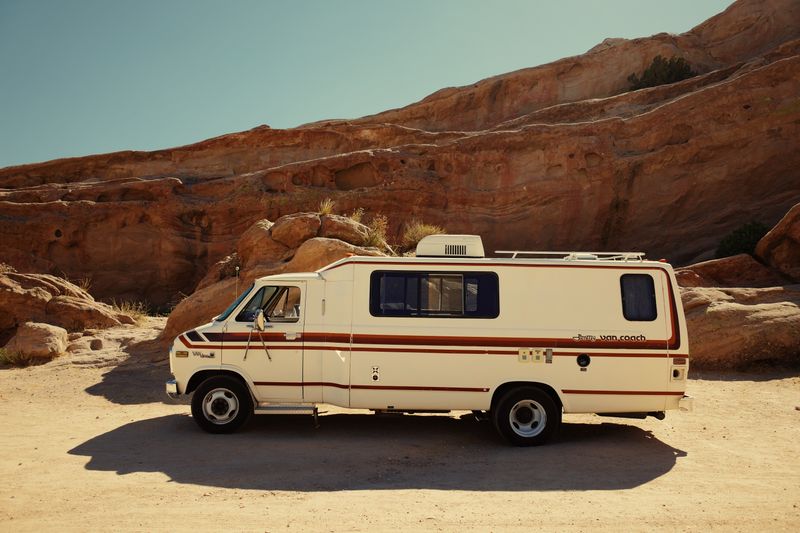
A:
[221,404]
[526,416]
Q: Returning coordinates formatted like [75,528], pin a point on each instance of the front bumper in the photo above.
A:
[686,403]
[172,389]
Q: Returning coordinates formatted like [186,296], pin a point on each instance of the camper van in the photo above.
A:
[522,339]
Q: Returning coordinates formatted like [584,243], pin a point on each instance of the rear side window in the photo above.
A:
[638,297]
[434,294]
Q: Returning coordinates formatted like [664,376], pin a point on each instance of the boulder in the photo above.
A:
[39,341]
[780,247]
[735,271]
[74,314]
[49,299]
[319,252]
[735,327]
[343,228]
[257,245]
[206,303]
[292,230]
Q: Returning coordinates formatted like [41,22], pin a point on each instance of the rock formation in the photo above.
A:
[553,157]
[742,310]
[302,242]
[48,301]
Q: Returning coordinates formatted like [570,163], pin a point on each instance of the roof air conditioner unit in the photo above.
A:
[450,246]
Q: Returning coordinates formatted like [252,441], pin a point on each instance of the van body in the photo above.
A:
[523,339]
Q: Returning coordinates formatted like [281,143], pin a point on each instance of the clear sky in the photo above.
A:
[90,76]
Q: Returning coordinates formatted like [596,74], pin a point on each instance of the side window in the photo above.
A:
[434,294]
[285,307]
[638,297]
[259,301]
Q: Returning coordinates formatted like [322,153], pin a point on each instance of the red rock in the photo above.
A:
[256,245]
[733,328]
[736,271]
[44,298]
[293,230]
[74,314]
[554,157]
[780,247]
[343,228]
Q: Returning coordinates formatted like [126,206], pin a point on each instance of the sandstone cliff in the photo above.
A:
[553,157]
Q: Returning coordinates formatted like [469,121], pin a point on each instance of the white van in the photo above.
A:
[522,338]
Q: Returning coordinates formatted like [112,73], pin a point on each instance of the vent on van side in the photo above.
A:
[450,246]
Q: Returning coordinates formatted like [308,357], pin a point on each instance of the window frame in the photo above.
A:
[653,293]
[419,275]
[267,307]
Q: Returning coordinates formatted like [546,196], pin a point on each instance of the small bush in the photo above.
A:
[661,72]
[5,268]
[742,240]
[376,234]
[136,310]
[10,358]
[326,206]
[357,215]
[415,231]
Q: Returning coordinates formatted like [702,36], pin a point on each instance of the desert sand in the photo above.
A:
[92,443]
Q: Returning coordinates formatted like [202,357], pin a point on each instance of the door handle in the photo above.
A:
[291,336]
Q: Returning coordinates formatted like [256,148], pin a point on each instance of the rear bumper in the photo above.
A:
[686,403]
[172,389]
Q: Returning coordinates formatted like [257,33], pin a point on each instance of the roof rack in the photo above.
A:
[578,256]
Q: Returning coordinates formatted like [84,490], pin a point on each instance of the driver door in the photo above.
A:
[273,358]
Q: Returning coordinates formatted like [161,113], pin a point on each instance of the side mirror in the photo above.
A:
[260,322]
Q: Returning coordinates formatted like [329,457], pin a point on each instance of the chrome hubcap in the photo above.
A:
[220,406]
[527,418]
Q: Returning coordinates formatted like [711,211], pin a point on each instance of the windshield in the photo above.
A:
[234,305]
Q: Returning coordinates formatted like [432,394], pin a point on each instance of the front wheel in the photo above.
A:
[526,416]
[221,404]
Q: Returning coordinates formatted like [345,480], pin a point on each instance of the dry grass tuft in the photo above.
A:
[4,268]
[136,310]
[326,206]
[376,234]
[416,230]
[10,358]
[357,215]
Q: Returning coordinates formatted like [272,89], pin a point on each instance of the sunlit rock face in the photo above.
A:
[553,157]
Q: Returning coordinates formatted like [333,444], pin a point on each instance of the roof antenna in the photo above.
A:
[237,282]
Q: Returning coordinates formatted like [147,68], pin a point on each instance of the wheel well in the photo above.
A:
[199,377]
[505,387]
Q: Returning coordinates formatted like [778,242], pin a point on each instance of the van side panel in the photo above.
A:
[327,349]
[457,363]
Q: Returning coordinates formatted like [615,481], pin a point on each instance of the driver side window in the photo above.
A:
[280,304]
[286,306]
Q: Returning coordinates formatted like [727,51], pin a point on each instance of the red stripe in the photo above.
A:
[624,392]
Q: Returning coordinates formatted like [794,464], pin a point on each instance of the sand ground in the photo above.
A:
[90,442]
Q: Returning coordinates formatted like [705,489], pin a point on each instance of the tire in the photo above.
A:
[221,404]
[526,416]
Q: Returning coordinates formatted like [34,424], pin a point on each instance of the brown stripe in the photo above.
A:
[366,387]
[624,392]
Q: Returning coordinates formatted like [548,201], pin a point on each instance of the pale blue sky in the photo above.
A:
[91,76]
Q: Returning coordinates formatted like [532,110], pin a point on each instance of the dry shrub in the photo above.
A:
[6,268]
[376,231]
[326,206]
[136,310]
[357,215]
[10,358]
[415,231]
